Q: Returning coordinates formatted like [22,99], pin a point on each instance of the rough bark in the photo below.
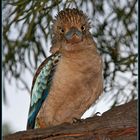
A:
[119,123]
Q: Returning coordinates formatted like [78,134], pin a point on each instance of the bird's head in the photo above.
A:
[70,28]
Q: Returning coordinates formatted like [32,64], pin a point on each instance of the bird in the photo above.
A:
[70,80]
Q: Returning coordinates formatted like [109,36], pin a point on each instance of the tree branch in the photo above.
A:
[119,123]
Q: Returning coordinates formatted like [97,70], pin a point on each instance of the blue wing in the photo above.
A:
[41,86]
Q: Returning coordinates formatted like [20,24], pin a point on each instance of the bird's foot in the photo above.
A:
[97,114]
[75,120]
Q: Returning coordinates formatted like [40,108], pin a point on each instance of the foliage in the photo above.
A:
[27,35]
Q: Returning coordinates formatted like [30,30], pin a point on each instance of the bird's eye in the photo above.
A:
[61,29]
[83,28]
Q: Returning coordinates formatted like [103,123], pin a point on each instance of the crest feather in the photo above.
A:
[72,16]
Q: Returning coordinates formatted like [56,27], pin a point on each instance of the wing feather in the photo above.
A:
[40,86]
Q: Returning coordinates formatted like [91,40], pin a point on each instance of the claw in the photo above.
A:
[97,114]
[75,120]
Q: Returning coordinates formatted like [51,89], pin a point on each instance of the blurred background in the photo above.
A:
[26,39]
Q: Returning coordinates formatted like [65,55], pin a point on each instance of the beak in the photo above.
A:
[73,35]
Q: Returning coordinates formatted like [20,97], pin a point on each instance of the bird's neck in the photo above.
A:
[80,52]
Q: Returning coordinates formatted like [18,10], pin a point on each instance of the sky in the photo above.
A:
[15,112]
